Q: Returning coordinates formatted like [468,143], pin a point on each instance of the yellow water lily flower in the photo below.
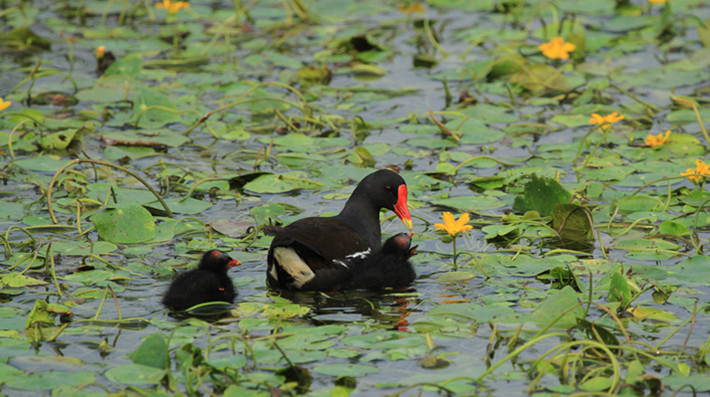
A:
[556,48]
[452,226]
[657,140]
[411,8]
[4,104]
[689,174]
[701,167]
[656,1]
[608,119]
[701,170]
[172,7]
[100,51]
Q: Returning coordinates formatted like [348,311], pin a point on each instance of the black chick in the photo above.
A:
[388,267]
[209,282]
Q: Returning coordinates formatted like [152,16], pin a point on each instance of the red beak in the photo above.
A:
[401,208]
[233,263]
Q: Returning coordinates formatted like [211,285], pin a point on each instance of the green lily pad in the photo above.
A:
[337,369]
[152,352]
[572,222]
[619,290]
[541,194]
[700,382]
[637,203]
[135,374]
[82,248]
[456,277]
[275,183]
[187,205]
[555,305]
[46,163]
[11,210]
[50,380]
[672,227]
[470,203]
[126,224]
[15,279]
[57,140]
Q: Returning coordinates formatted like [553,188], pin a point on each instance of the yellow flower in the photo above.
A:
[411,9]
[556,48]
[689,174]
[657,140]
[4,104]
[608,119]
[453,227]
[100,51]
[656,1]
[172,7]
[700,168]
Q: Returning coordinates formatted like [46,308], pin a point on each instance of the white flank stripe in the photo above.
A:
[359,255]
[341,263]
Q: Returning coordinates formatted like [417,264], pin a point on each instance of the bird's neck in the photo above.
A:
[364,217]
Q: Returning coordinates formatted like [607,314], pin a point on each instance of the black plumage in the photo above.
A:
[309,254]
[209,282]
[387,268]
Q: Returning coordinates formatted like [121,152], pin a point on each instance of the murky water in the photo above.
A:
[139,294]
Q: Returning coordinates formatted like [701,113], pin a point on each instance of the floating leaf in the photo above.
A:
[135,374]
[597,331]
[637,203]
[572,222]
[57,140]
[82,248]
[619,290]
[651,313]
[186,205]
[700,382]
[125,224]
[337,369]
[49,380]
[46,163]
[541,194]
[24,38]
[563,308]
[597,383]
[152,352]
[39,315]
[539,78]
[16,279]
[274,183]
[456,277]
[363,157]
[470,203]
[673,227]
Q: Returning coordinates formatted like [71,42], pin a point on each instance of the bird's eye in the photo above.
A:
[388,188]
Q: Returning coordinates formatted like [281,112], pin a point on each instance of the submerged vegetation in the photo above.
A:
[135,136]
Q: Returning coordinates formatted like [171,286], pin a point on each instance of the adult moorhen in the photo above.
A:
[314,253]
[388,267]
[209,282]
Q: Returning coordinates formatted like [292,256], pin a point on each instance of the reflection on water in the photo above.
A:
[389,309]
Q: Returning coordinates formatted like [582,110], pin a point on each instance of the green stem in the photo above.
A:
[106,163]
[589,157]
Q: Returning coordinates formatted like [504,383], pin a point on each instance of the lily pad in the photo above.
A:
[563,308]
[50,380]
[125,224]
[541,194]
[135,374]
[337,369]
